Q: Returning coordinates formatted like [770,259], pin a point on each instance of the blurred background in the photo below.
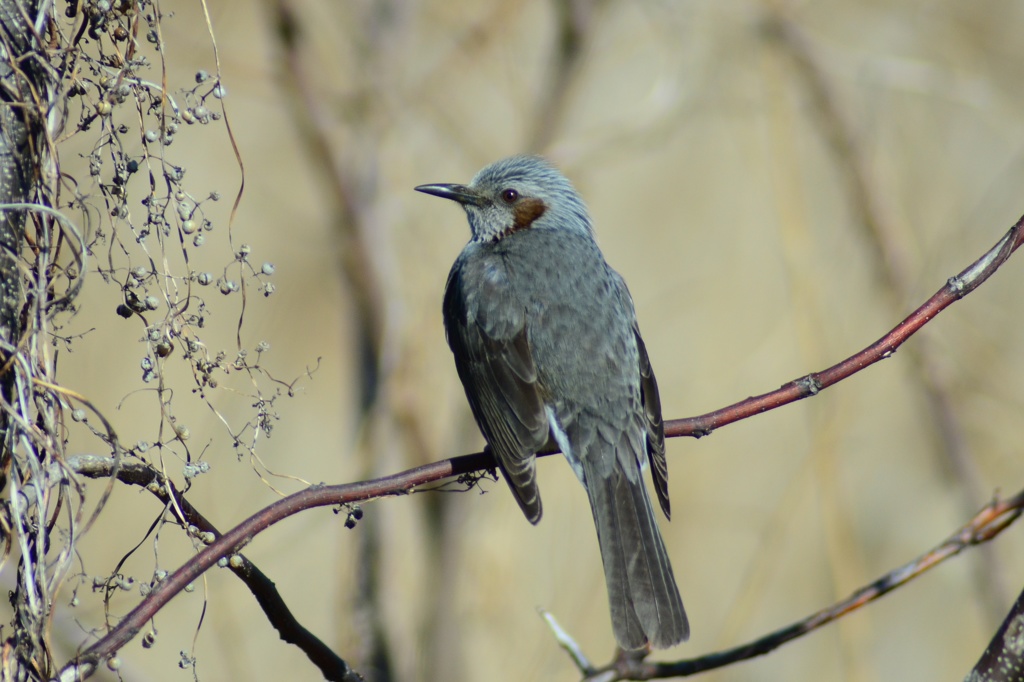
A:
[779,183]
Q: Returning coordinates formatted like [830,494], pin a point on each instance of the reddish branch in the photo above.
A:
[956,288]
[405,482]
[232,542]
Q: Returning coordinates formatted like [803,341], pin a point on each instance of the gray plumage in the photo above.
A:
[546,343]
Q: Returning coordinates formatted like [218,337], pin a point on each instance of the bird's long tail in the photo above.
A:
[645,602]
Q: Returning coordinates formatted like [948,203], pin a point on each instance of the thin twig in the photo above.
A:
[566,641]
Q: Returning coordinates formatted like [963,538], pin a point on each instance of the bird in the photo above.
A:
[547,346]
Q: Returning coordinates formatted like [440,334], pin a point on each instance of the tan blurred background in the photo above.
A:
[779,184]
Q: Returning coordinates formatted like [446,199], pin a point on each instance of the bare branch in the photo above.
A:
[867,200]
[574,31]
[993,519]
[405,482]
[810,385]
[332,666]
[233,541]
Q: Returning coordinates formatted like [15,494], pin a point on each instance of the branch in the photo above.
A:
[405,482]
[233,541]
[810,385]
[574,31]
[333,667]
[993,519]
[890,256]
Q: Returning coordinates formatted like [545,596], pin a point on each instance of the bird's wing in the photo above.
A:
[651,419]
[487,332]
[655,427]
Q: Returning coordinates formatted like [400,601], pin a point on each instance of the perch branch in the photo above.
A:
[405,482]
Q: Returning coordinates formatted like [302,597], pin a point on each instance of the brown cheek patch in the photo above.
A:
[526,211]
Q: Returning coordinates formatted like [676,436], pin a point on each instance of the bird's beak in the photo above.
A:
[459,193]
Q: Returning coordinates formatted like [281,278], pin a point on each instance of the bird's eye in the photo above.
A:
[509,196]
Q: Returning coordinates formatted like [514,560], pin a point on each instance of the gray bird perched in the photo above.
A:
[546,343]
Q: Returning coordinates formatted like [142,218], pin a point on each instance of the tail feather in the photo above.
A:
[642,593]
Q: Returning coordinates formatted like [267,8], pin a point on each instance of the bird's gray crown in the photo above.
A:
[517,193]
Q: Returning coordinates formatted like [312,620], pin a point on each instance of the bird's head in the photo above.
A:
[515,194]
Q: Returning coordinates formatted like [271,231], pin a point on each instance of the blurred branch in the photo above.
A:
[574,23]
[352,183]
[468,468]
[890,256]
[344,143]
[993,519]
[891,264]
